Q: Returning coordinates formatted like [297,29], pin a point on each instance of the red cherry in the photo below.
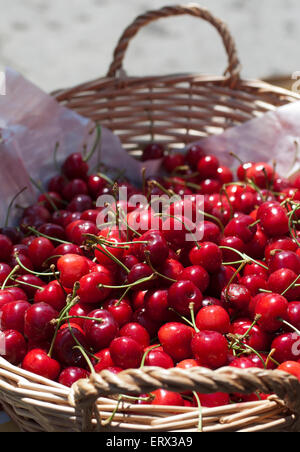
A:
[75,167]
[38,322]
[182,294]
[291,367]
[68,337]
[257,339]
[193,155]
[210,349]
[176,340]
[14,346]
[159,358]
[30,284]
[70,375]
[272,308]
[273,220]
[16,293]
[208,167]
[213,318]
[91,290]
[137,332]
[156,305]
[120,310]
[281,280]
[168,398]
[72,268]
[214,400]
[208,255]
[5,297]
[261,174]
[126,352]
[241,363]
[53,295]
[241,227]
[100,333]
[13,314]
[282,244]
[104,360]
[237,297]
[96,184]
[173,161]
[294,314]
[197,275]
[284,259]
[38,362]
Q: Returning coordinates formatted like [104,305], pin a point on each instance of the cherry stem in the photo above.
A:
[40,189]
[270,358]
[14,270]
[122,297]
[290,326]
[106,178]
[28,284]
[147,353]
[113,258]
[290,286]
[148,260]
[200,423]
[31,271]
[95,145]
[70,303]
[10,206]
[191,308]
[244,256]
[182,317]
[40,234]
[136,283]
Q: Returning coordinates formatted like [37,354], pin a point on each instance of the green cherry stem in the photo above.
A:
[14,270]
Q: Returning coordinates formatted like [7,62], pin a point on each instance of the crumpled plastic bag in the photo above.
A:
[31,123]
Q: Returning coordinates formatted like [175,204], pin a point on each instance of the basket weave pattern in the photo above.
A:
[176,110]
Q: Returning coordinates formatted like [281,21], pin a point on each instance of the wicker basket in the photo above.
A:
[175,109]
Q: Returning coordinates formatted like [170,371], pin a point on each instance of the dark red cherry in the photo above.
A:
[13,315]
[126,352]
[14,346]
[38,362]
[38,322]
[70,375]
[99,334]
[65,351]
[182,294]
[75,167]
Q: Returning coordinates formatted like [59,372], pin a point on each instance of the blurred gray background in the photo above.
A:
[60,43]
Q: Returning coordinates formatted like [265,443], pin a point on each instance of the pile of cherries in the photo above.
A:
[75,299]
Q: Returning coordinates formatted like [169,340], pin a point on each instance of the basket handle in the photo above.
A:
[234,66]
[84,393]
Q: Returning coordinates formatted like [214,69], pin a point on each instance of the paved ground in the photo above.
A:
[64,42]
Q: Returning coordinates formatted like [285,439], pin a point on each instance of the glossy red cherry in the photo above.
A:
[79,231]
[284,259]
[38,362]
[156,248]
[156,304]
[272,308]
[70,375]
[213,318]
[176,340]
[68,338]
[168,398]
[30,284]
[121,310]
[197,275]
[237,297]
[16,293]
[5,297]
[291,367]
[104,360]
[208,255]
[126,352]
[137,332]
[99,334]
[273,220]
[159,358]
[13,346]
[91,290]
[96,184]
[210,348]
[242,227]
[182,294]
[38,322]
[208,167]
[281,280]
[293,314]
[13,315]
[261,174]
[214,400]
[173,161]
[193,155]
[256,338]
[72,268]
[287,347]
[75,167]
[52,294]
[139,272]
